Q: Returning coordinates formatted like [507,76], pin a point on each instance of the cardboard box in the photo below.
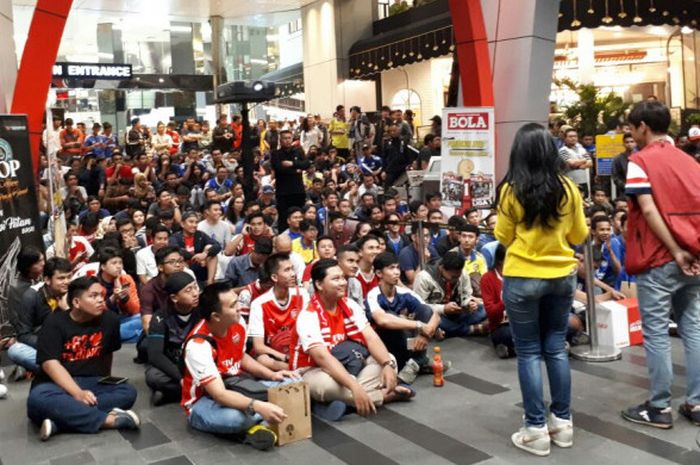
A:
[619,323]
[295,400]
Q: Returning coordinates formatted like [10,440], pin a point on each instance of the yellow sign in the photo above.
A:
[607,147]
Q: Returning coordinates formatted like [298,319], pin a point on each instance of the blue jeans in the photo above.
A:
[538,311]
[660,290]
[23,355]
[48,400]
[130,327]
[208,416]
[459,325]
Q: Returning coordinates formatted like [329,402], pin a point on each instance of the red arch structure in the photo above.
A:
[35,69]
[472,49]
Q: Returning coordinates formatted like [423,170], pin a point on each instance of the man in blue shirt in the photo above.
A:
[610,266]
[404,322]
[95,142]
[409,258]
[370,164]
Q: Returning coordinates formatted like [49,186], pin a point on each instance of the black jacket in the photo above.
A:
[31,315]
[201,240]
[397,156]
[287,179]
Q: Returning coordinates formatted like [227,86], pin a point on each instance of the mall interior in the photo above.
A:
[531,60]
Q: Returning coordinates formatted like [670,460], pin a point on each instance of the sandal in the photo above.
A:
[404,394]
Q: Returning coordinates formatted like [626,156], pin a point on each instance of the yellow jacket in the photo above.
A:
[540,252]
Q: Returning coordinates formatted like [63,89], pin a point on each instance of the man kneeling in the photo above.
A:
[168,329]
[214,354]
[74,351]
[343,359]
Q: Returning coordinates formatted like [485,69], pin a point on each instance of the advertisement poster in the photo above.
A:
[19,210]
[607,147]
[467,168]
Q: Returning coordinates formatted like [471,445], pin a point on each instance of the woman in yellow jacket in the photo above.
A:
[540,217]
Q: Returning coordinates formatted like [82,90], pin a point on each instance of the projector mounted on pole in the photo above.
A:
[244,93]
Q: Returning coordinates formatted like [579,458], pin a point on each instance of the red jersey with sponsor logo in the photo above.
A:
[268,317]
[204,363]
[316,327]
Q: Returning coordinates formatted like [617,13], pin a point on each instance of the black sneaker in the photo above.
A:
[645,414]
[691,412]
[125,419]
[260,437]
[157,398]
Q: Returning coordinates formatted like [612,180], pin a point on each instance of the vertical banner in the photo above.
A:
[467,166]
[19,210]
[607,147]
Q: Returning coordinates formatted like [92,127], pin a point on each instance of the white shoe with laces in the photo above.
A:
[561,431]
[3,391]
[533,440]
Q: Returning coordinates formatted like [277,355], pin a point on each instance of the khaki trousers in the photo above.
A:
[323,388]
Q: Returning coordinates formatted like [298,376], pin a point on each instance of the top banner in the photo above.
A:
[92,71]
[19,210]
[468,158]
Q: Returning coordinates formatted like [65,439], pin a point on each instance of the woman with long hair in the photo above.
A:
[540,217]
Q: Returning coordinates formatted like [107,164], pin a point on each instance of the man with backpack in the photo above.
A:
[663,250]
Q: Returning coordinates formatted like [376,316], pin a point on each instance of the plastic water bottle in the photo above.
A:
[438,378]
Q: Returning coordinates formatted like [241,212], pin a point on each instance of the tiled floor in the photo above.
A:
[468,421]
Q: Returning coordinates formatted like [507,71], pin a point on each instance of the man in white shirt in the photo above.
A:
[577,159]
[146,267]
[217,228]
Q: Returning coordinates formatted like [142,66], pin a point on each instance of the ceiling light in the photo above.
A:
[687,30]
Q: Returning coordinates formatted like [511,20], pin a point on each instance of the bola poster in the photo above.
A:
[19,211]
[467,167]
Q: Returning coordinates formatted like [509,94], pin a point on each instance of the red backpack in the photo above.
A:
[675,182]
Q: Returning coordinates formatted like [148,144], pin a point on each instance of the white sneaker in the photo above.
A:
[561,431]
[3,391]
[2,375]
[533,440]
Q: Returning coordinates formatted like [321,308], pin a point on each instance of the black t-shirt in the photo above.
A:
[84,349]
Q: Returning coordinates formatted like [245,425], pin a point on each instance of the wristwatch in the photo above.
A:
[250,410]
[390,363]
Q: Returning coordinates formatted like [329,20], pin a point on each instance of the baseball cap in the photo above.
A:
[268,189]
[694,133]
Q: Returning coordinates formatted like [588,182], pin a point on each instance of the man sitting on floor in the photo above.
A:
[274,314]
[75,351]
[343,359]
[214,353]
[168,329]
[38,302]
[446,286]
[404,322]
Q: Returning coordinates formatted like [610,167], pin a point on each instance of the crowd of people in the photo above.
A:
[324,274]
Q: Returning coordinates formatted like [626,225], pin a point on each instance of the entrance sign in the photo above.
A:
[468,159]
[19,210]
[92,71]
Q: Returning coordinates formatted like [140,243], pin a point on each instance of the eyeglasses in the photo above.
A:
[178,261]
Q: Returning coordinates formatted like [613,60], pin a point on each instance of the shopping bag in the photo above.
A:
[295,401]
